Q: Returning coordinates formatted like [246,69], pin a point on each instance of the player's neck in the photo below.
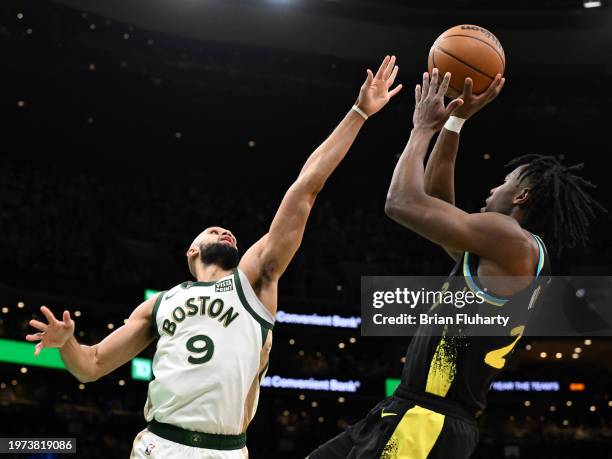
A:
[210,273]
[518,214]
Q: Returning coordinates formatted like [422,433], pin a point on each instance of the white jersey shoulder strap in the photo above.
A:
[251,302]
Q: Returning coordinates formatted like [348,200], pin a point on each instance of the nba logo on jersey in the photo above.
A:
[226,285]
[150,448]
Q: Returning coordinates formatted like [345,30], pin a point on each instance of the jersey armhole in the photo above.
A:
[239,288]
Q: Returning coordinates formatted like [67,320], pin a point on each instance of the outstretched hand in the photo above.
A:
[374,93]
[53,334]
[472,103]
[430,114]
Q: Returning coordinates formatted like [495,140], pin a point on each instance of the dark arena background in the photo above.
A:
[128,127]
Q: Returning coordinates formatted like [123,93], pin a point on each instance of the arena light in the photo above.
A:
[592,4]
[390,386]
[149,292]
[577,387]
[141,369]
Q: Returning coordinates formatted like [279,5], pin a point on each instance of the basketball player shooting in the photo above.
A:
[214,334]
[499,254]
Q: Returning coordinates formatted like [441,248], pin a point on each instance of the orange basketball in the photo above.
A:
[467,51]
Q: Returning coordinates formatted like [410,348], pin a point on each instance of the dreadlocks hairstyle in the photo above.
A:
[558,207]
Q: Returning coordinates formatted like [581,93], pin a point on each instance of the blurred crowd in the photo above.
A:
[80,234]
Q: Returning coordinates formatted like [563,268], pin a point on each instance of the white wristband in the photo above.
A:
[454,124]
[360,111]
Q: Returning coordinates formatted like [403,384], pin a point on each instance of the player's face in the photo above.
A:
[215,245]
[506,196]
[216,234]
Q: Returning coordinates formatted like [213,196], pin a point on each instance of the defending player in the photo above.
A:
[447,374]
[215,333]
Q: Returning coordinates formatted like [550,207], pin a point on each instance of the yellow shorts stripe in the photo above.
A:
[415,435]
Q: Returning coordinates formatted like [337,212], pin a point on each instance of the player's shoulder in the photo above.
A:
[498,222]
[495,217]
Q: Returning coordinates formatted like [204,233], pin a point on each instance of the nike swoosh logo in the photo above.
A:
[384,415]
[170,296]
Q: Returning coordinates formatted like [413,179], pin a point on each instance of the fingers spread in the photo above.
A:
[450,108]
[433,84]
[425,84]
[34,337]
[370,77]
[391,78]
[444,85]
[66,317]
[417,93]
[395,90]
[494,87]
[48,314]
[468,85]
[39,325]
[382,67]
[389,68]
[38,348]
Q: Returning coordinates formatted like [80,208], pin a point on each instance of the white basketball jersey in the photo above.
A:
[208,354]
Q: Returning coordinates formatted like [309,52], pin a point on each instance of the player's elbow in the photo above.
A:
[85,379]
[310,183]
[391,209]
[394,209]
[402,211]
[94,371]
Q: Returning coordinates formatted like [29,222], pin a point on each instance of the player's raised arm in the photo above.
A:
[89,363]
[440,222]
[440,169]
[269,257]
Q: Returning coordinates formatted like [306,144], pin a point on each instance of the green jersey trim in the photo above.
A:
[197,439]
[263,322]
[264,335]
[154,314]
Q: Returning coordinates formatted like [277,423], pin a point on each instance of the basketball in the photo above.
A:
[467,51]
